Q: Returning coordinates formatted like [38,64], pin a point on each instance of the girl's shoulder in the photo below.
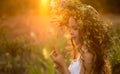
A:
[88,57]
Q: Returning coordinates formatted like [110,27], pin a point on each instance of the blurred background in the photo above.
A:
[26,35]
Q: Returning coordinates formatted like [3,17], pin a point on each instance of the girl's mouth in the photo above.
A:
[73,37]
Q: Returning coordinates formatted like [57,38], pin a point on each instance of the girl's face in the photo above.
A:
[75,32]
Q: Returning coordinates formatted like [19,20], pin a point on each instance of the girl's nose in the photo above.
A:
[71,32]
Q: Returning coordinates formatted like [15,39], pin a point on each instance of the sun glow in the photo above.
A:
[44,2]
[45,28]
[52,3]
[44,7]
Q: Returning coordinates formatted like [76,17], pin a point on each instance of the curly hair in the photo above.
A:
[95,36]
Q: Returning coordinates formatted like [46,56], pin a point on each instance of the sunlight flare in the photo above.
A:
[44,7]
[45,53]
[43,2]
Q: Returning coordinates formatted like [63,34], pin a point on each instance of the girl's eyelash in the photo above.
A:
[75,28]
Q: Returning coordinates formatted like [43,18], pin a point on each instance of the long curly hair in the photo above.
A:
[95,31]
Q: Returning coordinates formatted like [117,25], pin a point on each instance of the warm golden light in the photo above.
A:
[45,29]
[52,31]
[52,3]
[45,53]
[67,35]
[44,7]
[43,2]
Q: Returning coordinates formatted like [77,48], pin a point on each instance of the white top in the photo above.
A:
[74,67]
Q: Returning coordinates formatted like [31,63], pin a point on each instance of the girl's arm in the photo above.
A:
[86,66]
[65,70]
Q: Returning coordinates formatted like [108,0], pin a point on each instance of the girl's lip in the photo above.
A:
[73,37]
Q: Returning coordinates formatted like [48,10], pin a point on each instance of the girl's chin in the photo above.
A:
[75,41]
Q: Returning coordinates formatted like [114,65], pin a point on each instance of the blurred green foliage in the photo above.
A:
[22,54]
[115,49]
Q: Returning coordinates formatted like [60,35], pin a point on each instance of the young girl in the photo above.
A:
[88,38]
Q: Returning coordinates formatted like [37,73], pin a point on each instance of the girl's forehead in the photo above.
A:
[72,22]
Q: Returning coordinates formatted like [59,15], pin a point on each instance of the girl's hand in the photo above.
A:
[58,59]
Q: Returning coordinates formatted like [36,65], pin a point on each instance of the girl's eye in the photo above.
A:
[75,28]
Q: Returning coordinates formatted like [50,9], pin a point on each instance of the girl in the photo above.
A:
[88,38]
